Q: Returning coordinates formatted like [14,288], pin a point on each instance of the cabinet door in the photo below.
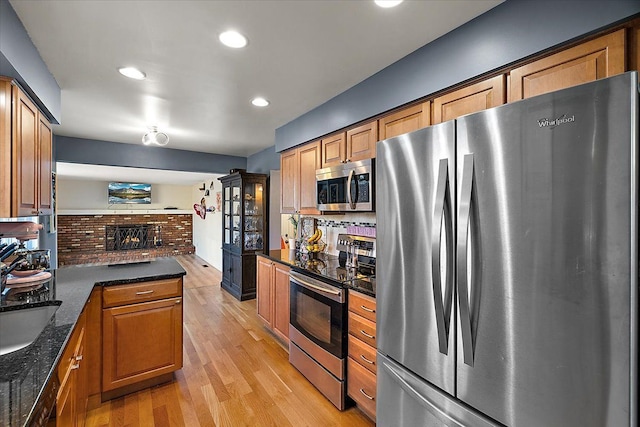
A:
[281,301]
[263,293]
[5,147]
[82,385]
[44,170]
[406,120]
[226,267]
[586,62]
[289,181]
[141,341]
[236,273]
[310,160]
[25,154]
[361,142]
[334,150]
[477,97]
[66,401]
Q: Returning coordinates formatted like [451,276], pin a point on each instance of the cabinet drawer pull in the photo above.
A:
[178,301]
[367,335]
[367,309]
[76,366]
[79,358]
[371,362]
[144,292]
[366,395]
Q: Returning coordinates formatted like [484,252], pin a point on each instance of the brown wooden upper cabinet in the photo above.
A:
[289,181]
[334,149]
[25,155]
[361,142]
[586,62]
[298,179]
[355,144]
[477,97]
[406,120]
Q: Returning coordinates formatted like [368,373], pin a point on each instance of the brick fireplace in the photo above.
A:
[104,239]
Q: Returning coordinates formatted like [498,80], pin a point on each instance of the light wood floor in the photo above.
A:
[235,372]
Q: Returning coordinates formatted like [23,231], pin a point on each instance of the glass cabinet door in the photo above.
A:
[253,217]
[227,215]
[236,214]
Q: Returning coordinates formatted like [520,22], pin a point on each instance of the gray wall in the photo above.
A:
[20,59]
[507,33]
[92,152]
[264,161]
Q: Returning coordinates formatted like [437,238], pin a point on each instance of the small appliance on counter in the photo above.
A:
[357,252]
[25,270]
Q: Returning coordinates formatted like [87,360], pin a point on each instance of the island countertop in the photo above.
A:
[25,373]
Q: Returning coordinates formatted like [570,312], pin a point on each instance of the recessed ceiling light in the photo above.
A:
[259,102]
[132,73]
[233,39]
[388,3]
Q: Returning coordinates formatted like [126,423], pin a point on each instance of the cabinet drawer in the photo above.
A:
[361,386]
[362,329]
[362,353]
[141,292]
[363,305]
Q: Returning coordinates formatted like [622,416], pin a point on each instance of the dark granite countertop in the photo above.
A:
[327,267]
[24,373]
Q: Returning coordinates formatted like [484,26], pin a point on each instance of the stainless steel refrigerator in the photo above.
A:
[507,276]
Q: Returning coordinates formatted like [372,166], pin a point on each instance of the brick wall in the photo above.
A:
[81,238]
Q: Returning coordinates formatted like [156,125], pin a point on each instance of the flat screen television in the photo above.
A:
[129,193]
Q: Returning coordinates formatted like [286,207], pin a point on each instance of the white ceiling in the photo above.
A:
[301,53]
[76,171]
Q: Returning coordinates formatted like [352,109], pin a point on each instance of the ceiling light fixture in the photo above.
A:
[233,39]
[388,3]
[132,73]
[155,137]
[259,102]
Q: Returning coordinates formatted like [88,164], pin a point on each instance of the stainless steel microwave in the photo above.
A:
[348,187]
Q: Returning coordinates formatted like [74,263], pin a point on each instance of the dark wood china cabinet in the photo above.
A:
[244,231]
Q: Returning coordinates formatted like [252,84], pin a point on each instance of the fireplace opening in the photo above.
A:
[127,237]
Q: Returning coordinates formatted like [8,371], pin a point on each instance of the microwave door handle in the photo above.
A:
[466,197]
[349,195]
[442,215]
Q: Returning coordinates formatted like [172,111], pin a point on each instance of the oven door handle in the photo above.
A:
[335,294]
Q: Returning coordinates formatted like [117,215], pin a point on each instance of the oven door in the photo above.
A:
[318,312]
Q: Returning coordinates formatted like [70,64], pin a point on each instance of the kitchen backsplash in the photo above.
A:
[332,225]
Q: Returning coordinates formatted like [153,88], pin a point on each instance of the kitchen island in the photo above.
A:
[26,373]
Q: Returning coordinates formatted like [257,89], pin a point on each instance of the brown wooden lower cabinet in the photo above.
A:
[273,296]
[128,337]
[140,340]
[71,401]
[362,363]
[361,386]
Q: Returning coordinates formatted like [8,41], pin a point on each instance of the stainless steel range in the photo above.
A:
[318,318]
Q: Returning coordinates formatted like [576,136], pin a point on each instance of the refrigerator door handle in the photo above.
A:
[466,190]
[442,214]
